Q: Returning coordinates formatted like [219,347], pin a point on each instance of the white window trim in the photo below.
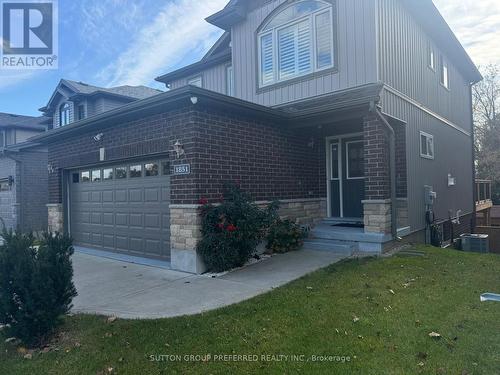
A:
[274,33]
[339,161]
[230,80]
[442,64]
[427,136]
[347,144]
[431,63]
[194,79]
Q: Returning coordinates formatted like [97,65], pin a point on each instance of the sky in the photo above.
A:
[130,42]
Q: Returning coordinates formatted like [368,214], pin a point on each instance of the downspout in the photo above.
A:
[392,167]
[473,141]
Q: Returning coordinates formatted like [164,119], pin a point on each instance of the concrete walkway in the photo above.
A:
[115,288]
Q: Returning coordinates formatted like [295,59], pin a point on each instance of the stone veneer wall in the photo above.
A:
[308,212]
[377,216]
[55,217]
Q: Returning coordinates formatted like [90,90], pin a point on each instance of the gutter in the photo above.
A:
[392,167]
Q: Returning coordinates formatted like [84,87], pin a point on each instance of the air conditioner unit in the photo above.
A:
[477,243]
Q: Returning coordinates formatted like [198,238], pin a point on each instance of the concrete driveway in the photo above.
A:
[116,288]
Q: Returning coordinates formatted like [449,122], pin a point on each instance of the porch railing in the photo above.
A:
[483,191]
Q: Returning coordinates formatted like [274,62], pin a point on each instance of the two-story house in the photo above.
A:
[24,166]
[23,173]
[351,112]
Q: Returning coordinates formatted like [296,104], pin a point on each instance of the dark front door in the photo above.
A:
[347,181]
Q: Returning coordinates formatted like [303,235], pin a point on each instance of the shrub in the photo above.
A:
[232,230]
[285,236]
[36,286]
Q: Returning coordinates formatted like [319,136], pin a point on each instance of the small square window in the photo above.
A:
[426,145]
[165,168]
[151,170]
[135,171]
[4,185]
[96,175]
[85,176]
[120,173]
[107,174]
[76,178]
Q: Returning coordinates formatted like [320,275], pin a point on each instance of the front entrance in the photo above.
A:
[346,176]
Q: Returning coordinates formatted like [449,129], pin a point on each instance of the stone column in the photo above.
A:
[185,232]
[55,217]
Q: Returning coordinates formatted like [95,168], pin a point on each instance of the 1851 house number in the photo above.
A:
[182,169]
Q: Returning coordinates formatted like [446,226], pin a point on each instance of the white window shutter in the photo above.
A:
[304,64]
[324,53]
[267,61]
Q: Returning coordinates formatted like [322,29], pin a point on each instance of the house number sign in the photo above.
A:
[182,169]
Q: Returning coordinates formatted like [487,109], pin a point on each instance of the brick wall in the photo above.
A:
[269,161]
[33,177]
[148,136]
[377,181]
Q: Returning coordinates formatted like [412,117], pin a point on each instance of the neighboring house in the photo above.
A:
[345,110]
[74,101]
[23,173]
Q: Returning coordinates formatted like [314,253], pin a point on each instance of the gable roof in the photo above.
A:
[10,120]
[80,89]
[424,11]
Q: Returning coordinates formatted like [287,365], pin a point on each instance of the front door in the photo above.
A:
[347,177]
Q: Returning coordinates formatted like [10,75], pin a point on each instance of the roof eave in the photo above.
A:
[194,68]
[227,17]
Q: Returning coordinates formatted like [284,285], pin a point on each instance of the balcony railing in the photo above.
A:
[483,190]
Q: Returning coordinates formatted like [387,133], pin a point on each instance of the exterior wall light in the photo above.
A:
[98,137]
[179,149]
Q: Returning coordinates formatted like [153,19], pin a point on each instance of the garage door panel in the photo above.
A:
[135,195]
[151,195]
[108,196]
[120,195]
[108,218]
[130,215]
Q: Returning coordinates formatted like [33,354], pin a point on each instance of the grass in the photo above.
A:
[397,300]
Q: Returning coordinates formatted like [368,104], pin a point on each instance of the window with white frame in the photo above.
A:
[445,73]
[297,41]
[229,80]
[431,58]
[426,145]
[196,81]
[64,114]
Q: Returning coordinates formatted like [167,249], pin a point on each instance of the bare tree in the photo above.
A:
[486,105]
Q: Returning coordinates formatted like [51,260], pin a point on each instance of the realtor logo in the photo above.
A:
[29,34]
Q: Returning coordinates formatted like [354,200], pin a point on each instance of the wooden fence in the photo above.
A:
[494,235]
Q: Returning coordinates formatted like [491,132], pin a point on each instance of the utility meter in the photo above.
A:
[430,196]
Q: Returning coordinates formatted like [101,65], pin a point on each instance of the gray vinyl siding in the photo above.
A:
[356,55]
[403,65]
[102,105]
[453,154]
[213,79]
[24,135]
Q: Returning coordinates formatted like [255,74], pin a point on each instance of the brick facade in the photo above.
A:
[267,160]
[377,173]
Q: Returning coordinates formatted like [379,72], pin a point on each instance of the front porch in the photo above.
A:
[364,171]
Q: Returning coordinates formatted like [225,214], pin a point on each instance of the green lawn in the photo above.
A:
[398,302]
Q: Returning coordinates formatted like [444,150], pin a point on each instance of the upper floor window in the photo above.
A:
[426,145]
[297,41]
[431,58]
[196,81]
[81,112]
[445,73]
[230,80]
[64,114]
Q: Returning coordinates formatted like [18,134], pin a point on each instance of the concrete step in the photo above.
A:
[341,247]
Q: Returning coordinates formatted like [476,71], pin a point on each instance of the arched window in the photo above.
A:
[64,114]
[295,41]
